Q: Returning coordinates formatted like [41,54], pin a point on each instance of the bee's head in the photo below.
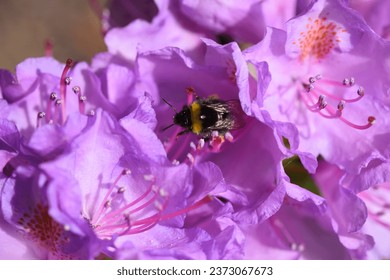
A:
[183,118]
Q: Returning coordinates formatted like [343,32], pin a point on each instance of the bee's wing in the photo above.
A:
[238,114]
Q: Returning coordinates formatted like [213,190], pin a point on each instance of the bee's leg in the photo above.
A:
[190,95]
[182,133]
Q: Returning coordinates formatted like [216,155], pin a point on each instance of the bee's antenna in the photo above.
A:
[170,105]
[165,128]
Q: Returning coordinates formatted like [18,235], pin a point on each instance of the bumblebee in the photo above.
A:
[204,116]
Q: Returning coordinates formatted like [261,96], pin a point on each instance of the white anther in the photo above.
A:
[193,146]
[309,87]
[126,171]
[41,115]
[191,158]
[341,105]
[360,91]
[201,144]
[155,188]
[229,136]
[158,206]
[323,105]
[107,204]
[163,193]
[68,80]
[149,177]
[53,96]
[346,82]
[76,89]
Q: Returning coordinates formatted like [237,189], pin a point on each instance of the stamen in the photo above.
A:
[190,95]
[63,83]
[370,122]
[52,99]
[191,158]
[58,103]
[120,210]
[149,177]
[341,105]
[48,48]
[193,146]
[98,213]
[194,206]
[322,102]
[40,116]
[360,91]
[332,111]
[82,100]
[201,144]
[76,90]
[229,137]
[216,142]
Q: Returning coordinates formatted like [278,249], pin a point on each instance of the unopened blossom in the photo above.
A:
[330,80]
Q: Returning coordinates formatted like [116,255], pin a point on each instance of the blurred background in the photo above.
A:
[72,26]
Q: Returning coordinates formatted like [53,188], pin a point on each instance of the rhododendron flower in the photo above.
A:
[327,82]
[249,158]
[185,142]
[75,167]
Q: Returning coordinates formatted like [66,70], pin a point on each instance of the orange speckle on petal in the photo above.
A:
[319,39]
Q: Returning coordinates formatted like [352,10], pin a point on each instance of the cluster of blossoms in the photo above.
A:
[88,170]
